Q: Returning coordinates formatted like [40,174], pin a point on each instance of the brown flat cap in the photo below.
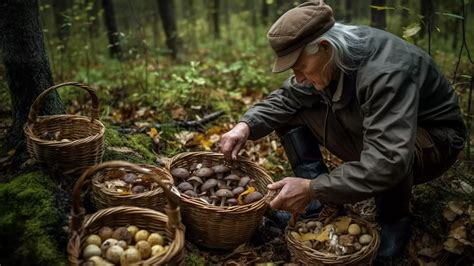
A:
[297,27]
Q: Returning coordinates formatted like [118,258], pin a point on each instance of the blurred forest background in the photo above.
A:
[174,75]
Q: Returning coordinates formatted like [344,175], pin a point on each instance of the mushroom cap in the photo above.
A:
[210,183]
[204,172]
[220,168]
[195,179]
[236,191]
[232,177]
[180,172]
[130,178]
[231,202]
[183,186]
[191,193]
[254,196]
[224,193]
[244,181]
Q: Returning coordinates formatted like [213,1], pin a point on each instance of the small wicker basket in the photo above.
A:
[168,224]
[81,142]
[153,199]
[308,256]
[222,227]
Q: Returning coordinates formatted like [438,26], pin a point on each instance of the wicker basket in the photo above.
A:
[153,199]
[222,227]
[81,142]
[168,224]
[309,256]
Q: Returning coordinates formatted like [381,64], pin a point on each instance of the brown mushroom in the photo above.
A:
[220,170]
[209,186]
[223,194]
[214,199]
[204,172]
[206,199]
[180,172]
[222,184]
[231,202]
[236,191]
[195,181]
[191,193]
[183,186]
[254,196]
[231,178]
[244,181]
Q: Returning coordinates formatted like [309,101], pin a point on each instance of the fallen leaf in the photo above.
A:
[449,214]
[153,132]
[241,195]
[342,223]
[456,206]
[453,246]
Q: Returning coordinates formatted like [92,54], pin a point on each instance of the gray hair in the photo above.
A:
[347,43]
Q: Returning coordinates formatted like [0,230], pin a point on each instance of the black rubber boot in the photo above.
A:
[394,238]
[304,156]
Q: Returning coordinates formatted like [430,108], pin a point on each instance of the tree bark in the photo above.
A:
[168,18]
[265,12]
[112,32]
[378,19]
[26,65]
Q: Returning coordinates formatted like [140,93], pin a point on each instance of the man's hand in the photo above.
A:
[232,141]
[294,194]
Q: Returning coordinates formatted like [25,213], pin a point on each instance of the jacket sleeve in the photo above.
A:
[389,102]
[278,108]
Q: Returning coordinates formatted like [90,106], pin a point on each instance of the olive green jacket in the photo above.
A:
[396,88]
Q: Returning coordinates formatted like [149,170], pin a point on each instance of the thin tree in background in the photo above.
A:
[378,17]
[265,13]
[348,10]
[427,13]
[62,25]
[168,18]
[112,32]
[214,13]
[26,66]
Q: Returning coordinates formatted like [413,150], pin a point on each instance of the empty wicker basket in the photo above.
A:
[168,224]
[153,199]
[309,256]
[222,227]
[65,144]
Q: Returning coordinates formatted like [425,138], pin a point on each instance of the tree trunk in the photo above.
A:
[60,20]
[26,65]
[378,19]
[168,18]
[348,11]
[112,32]
[265,12]
[93,19]
[405,14]
[214,12]
[426,12]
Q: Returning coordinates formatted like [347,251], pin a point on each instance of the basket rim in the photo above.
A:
[316,254]
[147,214]
[29,126]
[99,185]
[196,202]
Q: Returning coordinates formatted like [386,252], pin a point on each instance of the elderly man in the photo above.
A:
[372,99]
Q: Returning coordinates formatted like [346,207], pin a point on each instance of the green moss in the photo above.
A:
[194,259]
[30,224]
[140,143]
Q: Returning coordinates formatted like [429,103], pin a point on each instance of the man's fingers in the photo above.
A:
[276,203]
[236,149]
[276,185]
[227,147]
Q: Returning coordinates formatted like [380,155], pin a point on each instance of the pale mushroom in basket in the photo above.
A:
[223,194]
[204,172]
[195,181]
[236,191]
[209,186]
[180,172]
[231,179]
[183,186]
[244,181]
[220,170]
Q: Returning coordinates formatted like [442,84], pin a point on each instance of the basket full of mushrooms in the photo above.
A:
[222,202]
[343,240]
[125,235]
[119,186]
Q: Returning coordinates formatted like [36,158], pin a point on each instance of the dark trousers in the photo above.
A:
[432,158]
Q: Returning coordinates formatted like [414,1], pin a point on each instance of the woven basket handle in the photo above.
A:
[33,115]
[172,208]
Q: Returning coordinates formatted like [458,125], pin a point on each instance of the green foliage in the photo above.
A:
[29,222]
[194,259]
[140,144]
